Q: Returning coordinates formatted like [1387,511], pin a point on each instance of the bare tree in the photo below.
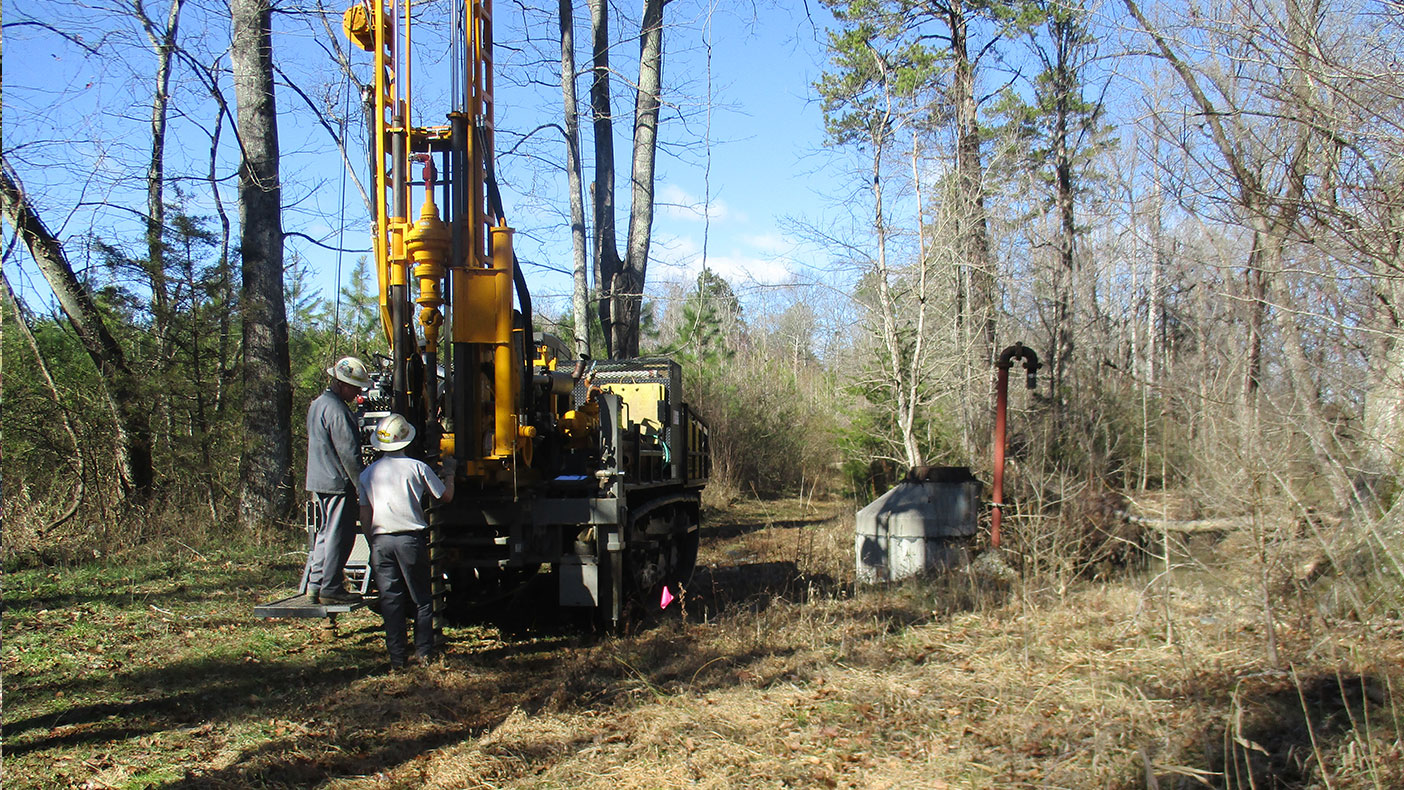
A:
[267,456]
[580,263]
[619,281]
[163,44]
[872,94]
[1267,175]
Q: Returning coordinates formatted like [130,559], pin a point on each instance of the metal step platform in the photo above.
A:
[358,577]
[301,605]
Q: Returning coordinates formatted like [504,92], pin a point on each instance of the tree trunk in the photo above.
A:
[1384,403]
[901,369]
[1066,274]
[607,263]
[1384,399]
[647,100]
[580,258]
[620,281]
[974,228]
[266,464]
[118,382]
[163,43]
[887,310]
[225,367]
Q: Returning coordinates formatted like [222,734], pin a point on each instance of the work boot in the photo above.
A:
[337,596]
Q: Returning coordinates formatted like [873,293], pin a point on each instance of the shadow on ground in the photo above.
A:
[332,710]
[1278,727]
[736,529]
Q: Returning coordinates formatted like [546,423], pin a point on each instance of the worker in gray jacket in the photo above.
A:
[333,469]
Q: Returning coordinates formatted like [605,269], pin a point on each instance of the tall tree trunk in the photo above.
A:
[901,368]
[607,262]
[1384,400]
[267,460]
[977,294]
[163,44]
[1065,298]
[620,280]
[647,100]
[119,382]
[225,367]
[579,256]
[887,310]
[1255,282]
[1156,325]
[974,227]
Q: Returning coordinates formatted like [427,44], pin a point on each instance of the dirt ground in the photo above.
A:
[774,672]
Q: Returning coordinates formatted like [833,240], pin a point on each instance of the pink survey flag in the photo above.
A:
[666,599]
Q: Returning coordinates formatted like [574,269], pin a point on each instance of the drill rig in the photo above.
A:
[591,471]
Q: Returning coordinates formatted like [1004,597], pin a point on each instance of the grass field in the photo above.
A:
[778,674]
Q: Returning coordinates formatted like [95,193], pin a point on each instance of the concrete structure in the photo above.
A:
[924,523]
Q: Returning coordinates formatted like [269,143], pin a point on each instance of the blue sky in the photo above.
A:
[765,132]
[77,131]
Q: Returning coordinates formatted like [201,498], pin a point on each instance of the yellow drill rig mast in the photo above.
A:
[592,470]
[470,260]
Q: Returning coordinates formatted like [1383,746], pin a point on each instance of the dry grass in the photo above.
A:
[781,675]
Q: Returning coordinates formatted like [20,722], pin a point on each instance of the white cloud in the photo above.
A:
[773,243]
[677,203]
[679,258]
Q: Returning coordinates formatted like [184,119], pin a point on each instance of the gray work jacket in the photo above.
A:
[333,445]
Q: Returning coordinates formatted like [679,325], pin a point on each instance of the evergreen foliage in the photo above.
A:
[176,324]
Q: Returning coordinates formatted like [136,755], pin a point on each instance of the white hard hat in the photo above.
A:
[393,433]
[350,370]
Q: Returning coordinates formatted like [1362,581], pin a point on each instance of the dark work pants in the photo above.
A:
[334,540]
[400,562]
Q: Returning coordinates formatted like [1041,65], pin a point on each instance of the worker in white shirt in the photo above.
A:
[393,492]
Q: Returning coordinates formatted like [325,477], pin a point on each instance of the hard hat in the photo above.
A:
[393,433]
[350,370]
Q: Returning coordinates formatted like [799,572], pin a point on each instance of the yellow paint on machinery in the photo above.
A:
[622,459]
[355,22]
[473,295]
[644,402]
[504,367]
[428,244]
[579,424]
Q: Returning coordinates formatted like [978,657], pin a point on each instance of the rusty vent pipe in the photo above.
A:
[1006,361]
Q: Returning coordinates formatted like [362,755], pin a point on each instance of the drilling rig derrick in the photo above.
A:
[589,470]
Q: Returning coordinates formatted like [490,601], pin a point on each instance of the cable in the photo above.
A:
[341,225]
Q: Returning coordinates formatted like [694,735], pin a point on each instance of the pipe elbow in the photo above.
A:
[1031,363]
